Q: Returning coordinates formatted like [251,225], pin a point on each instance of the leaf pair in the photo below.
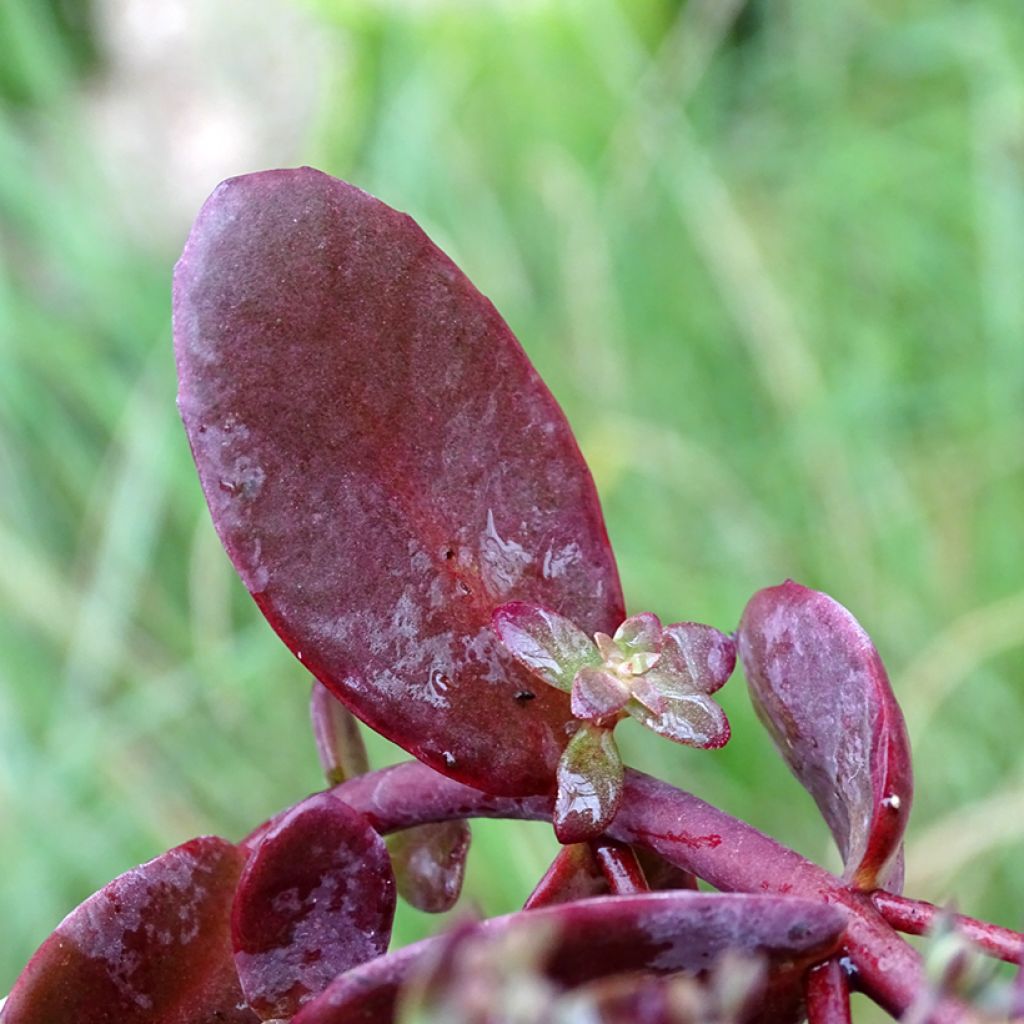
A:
[821,690]
[208,932]
[661,676]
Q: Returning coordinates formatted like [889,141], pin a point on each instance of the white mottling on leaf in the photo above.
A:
[557,563]
[502,561]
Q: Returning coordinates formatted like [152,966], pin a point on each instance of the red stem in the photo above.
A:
[828,994]
[621,868]
[916,917]
[730,854]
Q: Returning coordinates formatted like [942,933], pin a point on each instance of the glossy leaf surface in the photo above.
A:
[820,688]
[703,653]
[598,694]
[385,468]
[574,874]
[660,932]
[548,645]
[690,718]
[589,785]
[152,947]
[316,898]
[621,867]
[429,862]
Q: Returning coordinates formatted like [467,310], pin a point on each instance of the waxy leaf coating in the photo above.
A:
[385,468]
[152,947]
[316,898]
[596,938]
[820,688]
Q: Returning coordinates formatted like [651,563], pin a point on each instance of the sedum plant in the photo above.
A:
[405,502]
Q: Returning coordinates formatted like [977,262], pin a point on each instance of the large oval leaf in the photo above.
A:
[152,947]
[385,468]
[820,688]
[661,932]
[316,898]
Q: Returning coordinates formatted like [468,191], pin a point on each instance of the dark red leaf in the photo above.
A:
[574,874]
[660,932]
[385,468]
[430,864]
[690,718]
[316,898]
[820,688]
[706,655]
[152,947]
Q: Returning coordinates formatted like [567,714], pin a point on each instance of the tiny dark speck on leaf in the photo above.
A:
[525,695]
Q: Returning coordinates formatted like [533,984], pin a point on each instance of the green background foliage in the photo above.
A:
[768,255]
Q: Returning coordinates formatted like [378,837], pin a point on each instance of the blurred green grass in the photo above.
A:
[767,255]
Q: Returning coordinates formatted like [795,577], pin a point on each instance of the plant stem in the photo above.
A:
[916,917]
[828,994]
[621,868]
[730,854]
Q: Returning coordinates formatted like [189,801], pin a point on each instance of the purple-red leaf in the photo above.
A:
[549,645]
[706,655]
[385,468]
[690,718]
[659,932]
[590,777]
[429,862]
[152,947]
[316,898]
[820,688]
[598,694]
[573,875]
